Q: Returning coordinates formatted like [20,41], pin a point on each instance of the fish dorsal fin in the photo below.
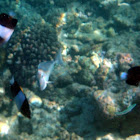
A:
[58,58]
[46,65]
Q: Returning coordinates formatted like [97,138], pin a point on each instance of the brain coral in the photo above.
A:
[29,47]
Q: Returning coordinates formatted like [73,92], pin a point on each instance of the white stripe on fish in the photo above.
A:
[5,33]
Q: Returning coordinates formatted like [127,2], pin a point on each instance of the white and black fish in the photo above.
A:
[7,25]
[132,76]
[45,69]
[20,98]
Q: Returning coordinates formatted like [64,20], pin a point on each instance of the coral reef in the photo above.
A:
[29,49]
[106,102]
[100,39]
[124,62]
[77,111]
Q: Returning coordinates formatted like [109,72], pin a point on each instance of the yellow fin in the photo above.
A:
[21,88]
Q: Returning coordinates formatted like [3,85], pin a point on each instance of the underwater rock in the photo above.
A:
[86,27]
[105,102]
[124,61]
[62,76]
[13,122]
[104,75]
[64,80]
[118,44]
[78,90]
[48,126]
[65,135]
[2,91]
[74,50]
[123,21]
[111,32]
[35,101]
[4,102]
[124,17]
[4,128]
[134,137]
[50,106]
[109,136]
[75,137]
[80,50]
[27,123]
[98,36]
[130,96]
[85,73]
[132,120]
[78,116]
[109,3]
[96,59]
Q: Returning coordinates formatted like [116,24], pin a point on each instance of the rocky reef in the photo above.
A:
[87,99]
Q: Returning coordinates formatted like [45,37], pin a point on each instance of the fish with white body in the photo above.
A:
[7,25]
[45,69]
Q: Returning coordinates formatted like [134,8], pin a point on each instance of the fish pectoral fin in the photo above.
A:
[49,82]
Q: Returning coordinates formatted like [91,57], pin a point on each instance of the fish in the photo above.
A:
[20,98]
[126,110]
[132,76]
[7,26]
[45,69]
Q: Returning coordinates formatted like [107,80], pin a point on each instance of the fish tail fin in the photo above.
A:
[12,80]
[58,58]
